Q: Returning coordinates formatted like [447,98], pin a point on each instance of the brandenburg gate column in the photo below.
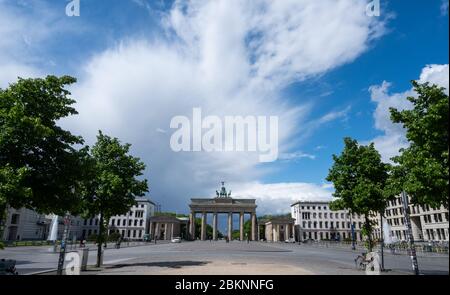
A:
[230,225]
[214,226]
[253,238]
[192,225]
[203,229]
[241,226]
[288,233]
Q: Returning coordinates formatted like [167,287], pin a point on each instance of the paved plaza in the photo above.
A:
[216,258]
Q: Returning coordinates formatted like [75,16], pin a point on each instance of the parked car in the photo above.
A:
[291,240]
[176,240]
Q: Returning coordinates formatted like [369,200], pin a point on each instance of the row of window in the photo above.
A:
[326,235]
[414,209]
[438,217]
[314,207]
[137,214]
[321,224]
[307,215]
[396,221]
[92,221]
[124,222]
[440,233]
[394,212]
[129,233]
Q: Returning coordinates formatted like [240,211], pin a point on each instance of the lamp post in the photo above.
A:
[382,241]
[412,249]
[62,252]
[352,232]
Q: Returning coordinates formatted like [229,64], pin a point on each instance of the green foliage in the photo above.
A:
[113,237]
[113,182]
[209,230]
[423,171]
[39,166]
[92,238]
[359,179]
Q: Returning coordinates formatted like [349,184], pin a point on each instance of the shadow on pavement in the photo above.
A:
[169,264]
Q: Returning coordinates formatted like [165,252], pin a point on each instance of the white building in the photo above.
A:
[428,224]
[28,225]
[135,223]
[316,221]
[25,224]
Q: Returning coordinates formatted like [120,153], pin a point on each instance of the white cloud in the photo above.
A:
[295,156]
[26,28]
[276,198]
[394,138]
[229,58]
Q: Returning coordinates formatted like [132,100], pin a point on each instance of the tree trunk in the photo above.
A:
[100,240]
[3,215]
[369,234]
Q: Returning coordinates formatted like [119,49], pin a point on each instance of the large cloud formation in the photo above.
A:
[229,58]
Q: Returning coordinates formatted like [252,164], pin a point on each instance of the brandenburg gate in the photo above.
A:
[223,203]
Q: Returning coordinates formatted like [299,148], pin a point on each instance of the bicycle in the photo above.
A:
[368,262]
[361,261]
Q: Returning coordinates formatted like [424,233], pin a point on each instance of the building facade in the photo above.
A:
[25,224]
[428,224]
[135,223]
[279,229]
[316,221]
[168,227]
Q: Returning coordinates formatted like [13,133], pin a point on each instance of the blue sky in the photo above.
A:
[318,65]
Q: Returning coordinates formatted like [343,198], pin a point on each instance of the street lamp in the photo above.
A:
[412,248]
[382,240]
[353,232]
[62,251]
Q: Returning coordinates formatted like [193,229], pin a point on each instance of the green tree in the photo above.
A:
[422,170]
[113,184]
[359,179]
[40,167]
[209,230]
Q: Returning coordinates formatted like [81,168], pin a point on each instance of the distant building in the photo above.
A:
[279,229]
[26,224]
[316,221]
[135,223]
[428,224]
[168,227]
